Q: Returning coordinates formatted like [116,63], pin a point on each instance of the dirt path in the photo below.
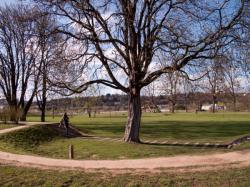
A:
[148,163]
[23,125]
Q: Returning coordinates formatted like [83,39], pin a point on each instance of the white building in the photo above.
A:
[209,107]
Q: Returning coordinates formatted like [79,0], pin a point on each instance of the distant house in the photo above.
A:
[206,107]
[209,107]
[164,108]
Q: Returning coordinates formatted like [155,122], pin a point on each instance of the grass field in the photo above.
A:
[204,127]
[218,127]
[16,176]
[43,141]
[6,126]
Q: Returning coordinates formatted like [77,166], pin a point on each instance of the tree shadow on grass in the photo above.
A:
[193,145]
[195,130]
[176,130]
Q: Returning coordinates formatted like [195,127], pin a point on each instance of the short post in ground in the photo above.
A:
[71,151]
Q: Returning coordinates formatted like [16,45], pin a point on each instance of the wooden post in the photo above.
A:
[71,151]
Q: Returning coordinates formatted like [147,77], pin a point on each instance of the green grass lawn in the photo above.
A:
[6,126]
[17,176]
[202,127]
[181,127]
[43,141]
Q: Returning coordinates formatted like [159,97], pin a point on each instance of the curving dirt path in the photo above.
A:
[147,163]
[23,125]
[212,160]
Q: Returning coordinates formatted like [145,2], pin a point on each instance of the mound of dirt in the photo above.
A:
[72,132]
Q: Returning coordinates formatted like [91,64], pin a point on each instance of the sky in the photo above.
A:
[106,89]
[3,2]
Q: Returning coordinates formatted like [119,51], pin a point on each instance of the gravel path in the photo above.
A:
[23,125]
[148,163]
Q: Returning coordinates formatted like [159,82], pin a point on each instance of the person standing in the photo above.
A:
[65,123]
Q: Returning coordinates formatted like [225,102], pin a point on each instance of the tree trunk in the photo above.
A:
[172,107]
[53,112]
[26,107]
[214,102]
[24,115]
[43,115]
[44,94]
[186,103]
[44,102]
[13,112]
[89,113]
[134,119]
[234,103]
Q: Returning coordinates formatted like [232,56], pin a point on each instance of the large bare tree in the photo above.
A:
[18,52]
[120,40]
[233,74]
[150,92]
[244,41]
[216,79]
[51,46]
[171,85]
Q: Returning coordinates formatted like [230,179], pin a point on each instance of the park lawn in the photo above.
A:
[181,127]
[18,176]
[6,126]
[43,141]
